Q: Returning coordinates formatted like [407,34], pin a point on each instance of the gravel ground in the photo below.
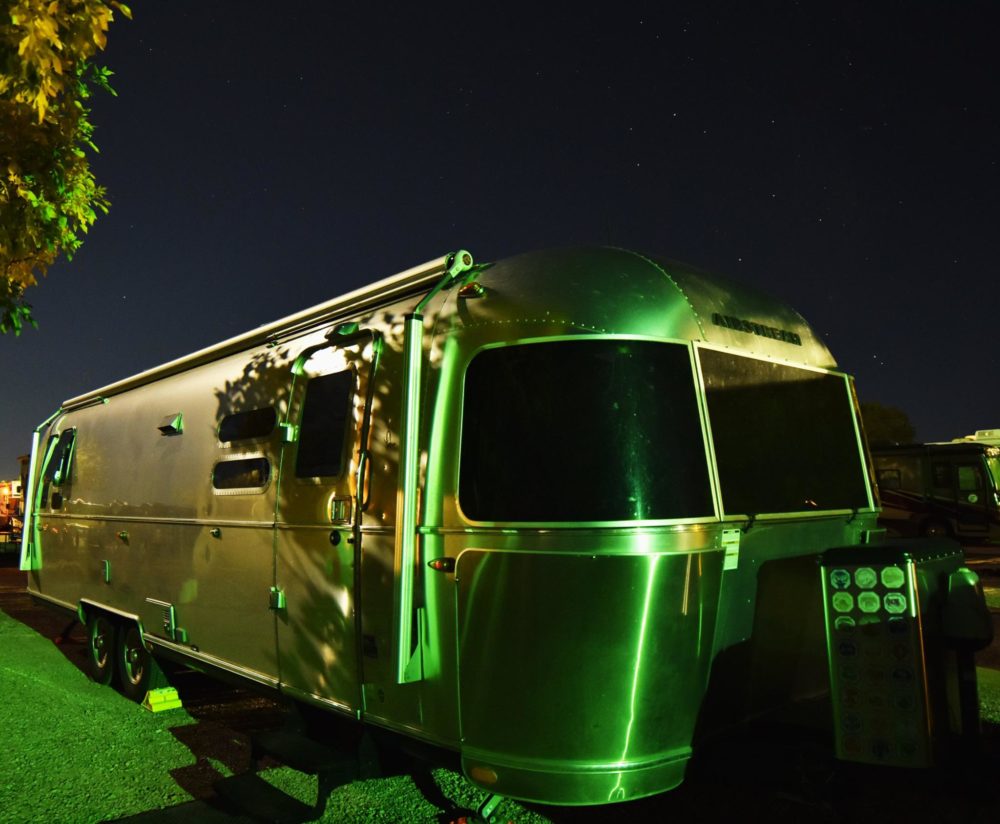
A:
[72,751]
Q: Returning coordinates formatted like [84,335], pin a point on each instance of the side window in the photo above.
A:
[888,479]
[941,480]
[243,474]
[58,468]
[899,472]
[241,426]
[326,414]
[969,478]
[910,477]
[60,463]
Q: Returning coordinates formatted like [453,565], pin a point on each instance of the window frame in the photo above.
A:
[808,514]
[698,398]
[242,490]
[249,438]
[349,430]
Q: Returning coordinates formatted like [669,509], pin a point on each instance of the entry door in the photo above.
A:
[318,552]
[970,492]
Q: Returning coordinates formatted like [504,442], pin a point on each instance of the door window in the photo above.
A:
[970,484]
[325,417]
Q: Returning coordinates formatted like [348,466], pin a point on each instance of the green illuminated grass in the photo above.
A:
[74,751]
[391,799]
[989,694]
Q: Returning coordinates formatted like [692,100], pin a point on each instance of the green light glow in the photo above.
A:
[406,498]
[618,792]
[701,608]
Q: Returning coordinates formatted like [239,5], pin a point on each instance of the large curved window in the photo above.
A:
[784,436]
[582,430]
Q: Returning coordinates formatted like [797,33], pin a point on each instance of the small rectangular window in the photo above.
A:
[245,473]
[57,468]
[941,476]
[241,426]
[61,460]
[324,426]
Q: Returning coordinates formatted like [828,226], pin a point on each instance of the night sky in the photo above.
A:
[264,157]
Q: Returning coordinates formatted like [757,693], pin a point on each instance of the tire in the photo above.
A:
[101,640]
[138,671]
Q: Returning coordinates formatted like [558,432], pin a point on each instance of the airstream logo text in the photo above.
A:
[741,325]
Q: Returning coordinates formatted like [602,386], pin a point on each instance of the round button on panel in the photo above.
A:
[840,578]
[895,603]
[869,602]
[865,577]
[893,577]
[844,623]
[843,601]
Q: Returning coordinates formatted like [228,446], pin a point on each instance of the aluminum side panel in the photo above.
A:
[579,673]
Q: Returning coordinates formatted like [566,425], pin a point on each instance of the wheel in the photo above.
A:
[101,645]
[138,671]
[935,529]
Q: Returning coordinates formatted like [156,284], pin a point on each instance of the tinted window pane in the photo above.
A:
[904,468]
[254,423]
[323,433]
[969,479]
[241,474]
[592,430]
[941,477]
[888,478]
[58,468]
[784,436]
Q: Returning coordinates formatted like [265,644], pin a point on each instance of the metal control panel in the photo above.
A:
[878,678]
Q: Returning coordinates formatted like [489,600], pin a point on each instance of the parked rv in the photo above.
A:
[10,514]
[985,436]
[558,514]
[948,489]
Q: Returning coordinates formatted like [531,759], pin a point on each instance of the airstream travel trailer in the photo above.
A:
[559,513]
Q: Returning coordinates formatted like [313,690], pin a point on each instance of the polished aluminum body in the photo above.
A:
[568,661]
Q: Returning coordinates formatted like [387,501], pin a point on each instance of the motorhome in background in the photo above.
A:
[984,436]
[941,489]
[11,514]
[559,514]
